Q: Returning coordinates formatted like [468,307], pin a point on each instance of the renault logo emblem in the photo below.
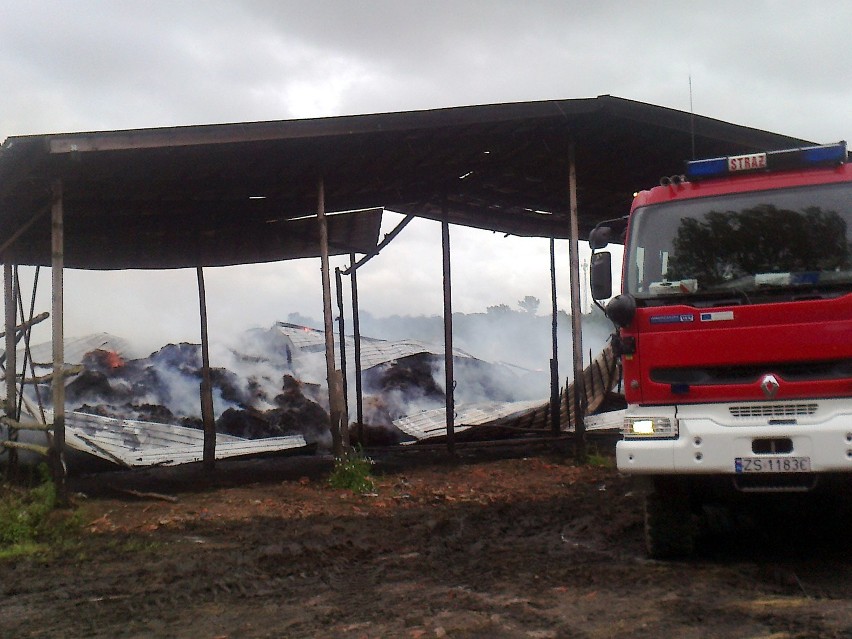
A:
[769,385]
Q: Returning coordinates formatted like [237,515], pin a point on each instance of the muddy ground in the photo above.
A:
[482,546]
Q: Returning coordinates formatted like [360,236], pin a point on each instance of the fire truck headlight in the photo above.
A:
[650,427]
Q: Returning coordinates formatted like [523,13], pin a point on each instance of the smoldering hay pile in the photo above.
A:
[271,383]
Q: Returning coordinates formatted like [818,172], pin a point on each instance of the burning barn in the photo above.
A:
[206,196]
[268,396]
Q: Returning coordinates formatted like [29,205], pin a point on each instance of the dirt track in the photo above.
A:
[485,548]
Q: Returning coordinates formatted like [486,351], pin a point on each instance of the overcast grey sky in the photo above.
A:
[98,65]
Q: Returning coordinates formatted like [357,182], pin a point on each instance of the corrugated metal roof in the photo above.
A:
[76,348]
[374,352]
[433,422]
[599,378]
[233,193]
[134,443]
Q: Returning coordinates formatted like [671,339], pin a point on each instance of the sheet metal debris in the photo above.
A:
[137,440]
[76,348]
[134,443]
[433,422]
[599,379]
[374,352]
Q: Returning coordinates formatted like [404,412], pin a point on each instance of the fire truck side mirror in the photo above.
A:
[606,232]
[601,275]
[599,237]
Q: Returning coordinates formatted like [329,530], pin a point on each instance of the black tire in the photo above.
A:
[670,527]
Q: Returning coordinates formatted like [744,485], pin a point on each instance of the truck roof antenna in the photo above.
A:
[691,117]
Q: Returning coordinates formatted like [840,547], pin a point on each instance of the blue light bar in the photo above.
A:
[806,157]
[830,154]
[699,169]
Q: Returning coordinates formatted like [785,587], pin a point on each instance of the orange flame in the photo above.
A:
[113,359]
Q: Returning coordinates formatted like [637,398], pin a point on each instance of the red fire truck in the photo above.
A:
[734,329]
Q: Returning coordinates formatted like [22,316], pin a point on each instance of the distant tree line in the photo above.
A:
[502,333]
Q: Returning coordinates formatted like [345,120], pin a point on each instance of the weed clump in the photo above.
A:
[600,460]
[352,472]
[27,516]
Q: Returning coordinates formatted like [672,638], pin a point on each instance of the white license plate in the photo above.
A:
[772,464]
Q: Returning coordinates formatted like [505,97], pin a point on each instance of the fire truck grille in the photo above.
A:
[746,411]
[830,370]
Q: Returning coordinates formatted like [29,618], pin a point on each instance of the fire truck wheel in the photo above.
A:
[670,529]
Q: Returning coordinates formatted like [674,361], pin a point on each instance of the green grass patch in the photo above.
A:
[25,549]
[352,472]
[29,520]
[599,460]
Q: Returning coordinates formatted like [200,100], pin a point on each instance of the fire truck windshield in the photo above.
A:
[742,244]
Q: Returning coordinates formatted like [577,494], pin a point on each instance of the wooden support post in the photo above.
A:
[10,302]
[339,434]
[448,332]
[209,451]
[9,297]
[356,331]
[57,449]
[341,331]
[576,314]
[555,421]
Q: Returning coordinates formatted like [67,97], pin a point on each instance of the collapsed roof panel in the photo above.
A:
[76,348]
[115,395]
[374,352]
[481,419]
[433,422]
[132,443]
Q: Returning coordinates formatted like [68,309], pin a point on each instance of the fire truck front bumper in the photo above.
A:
[707,440]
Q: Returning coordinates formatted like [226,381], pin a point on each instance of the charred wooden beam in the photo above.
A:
[356,331]
[449,380]
[33,448]
[341,329]
[554,361]
[11,342]
[209,451]
[385,241]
